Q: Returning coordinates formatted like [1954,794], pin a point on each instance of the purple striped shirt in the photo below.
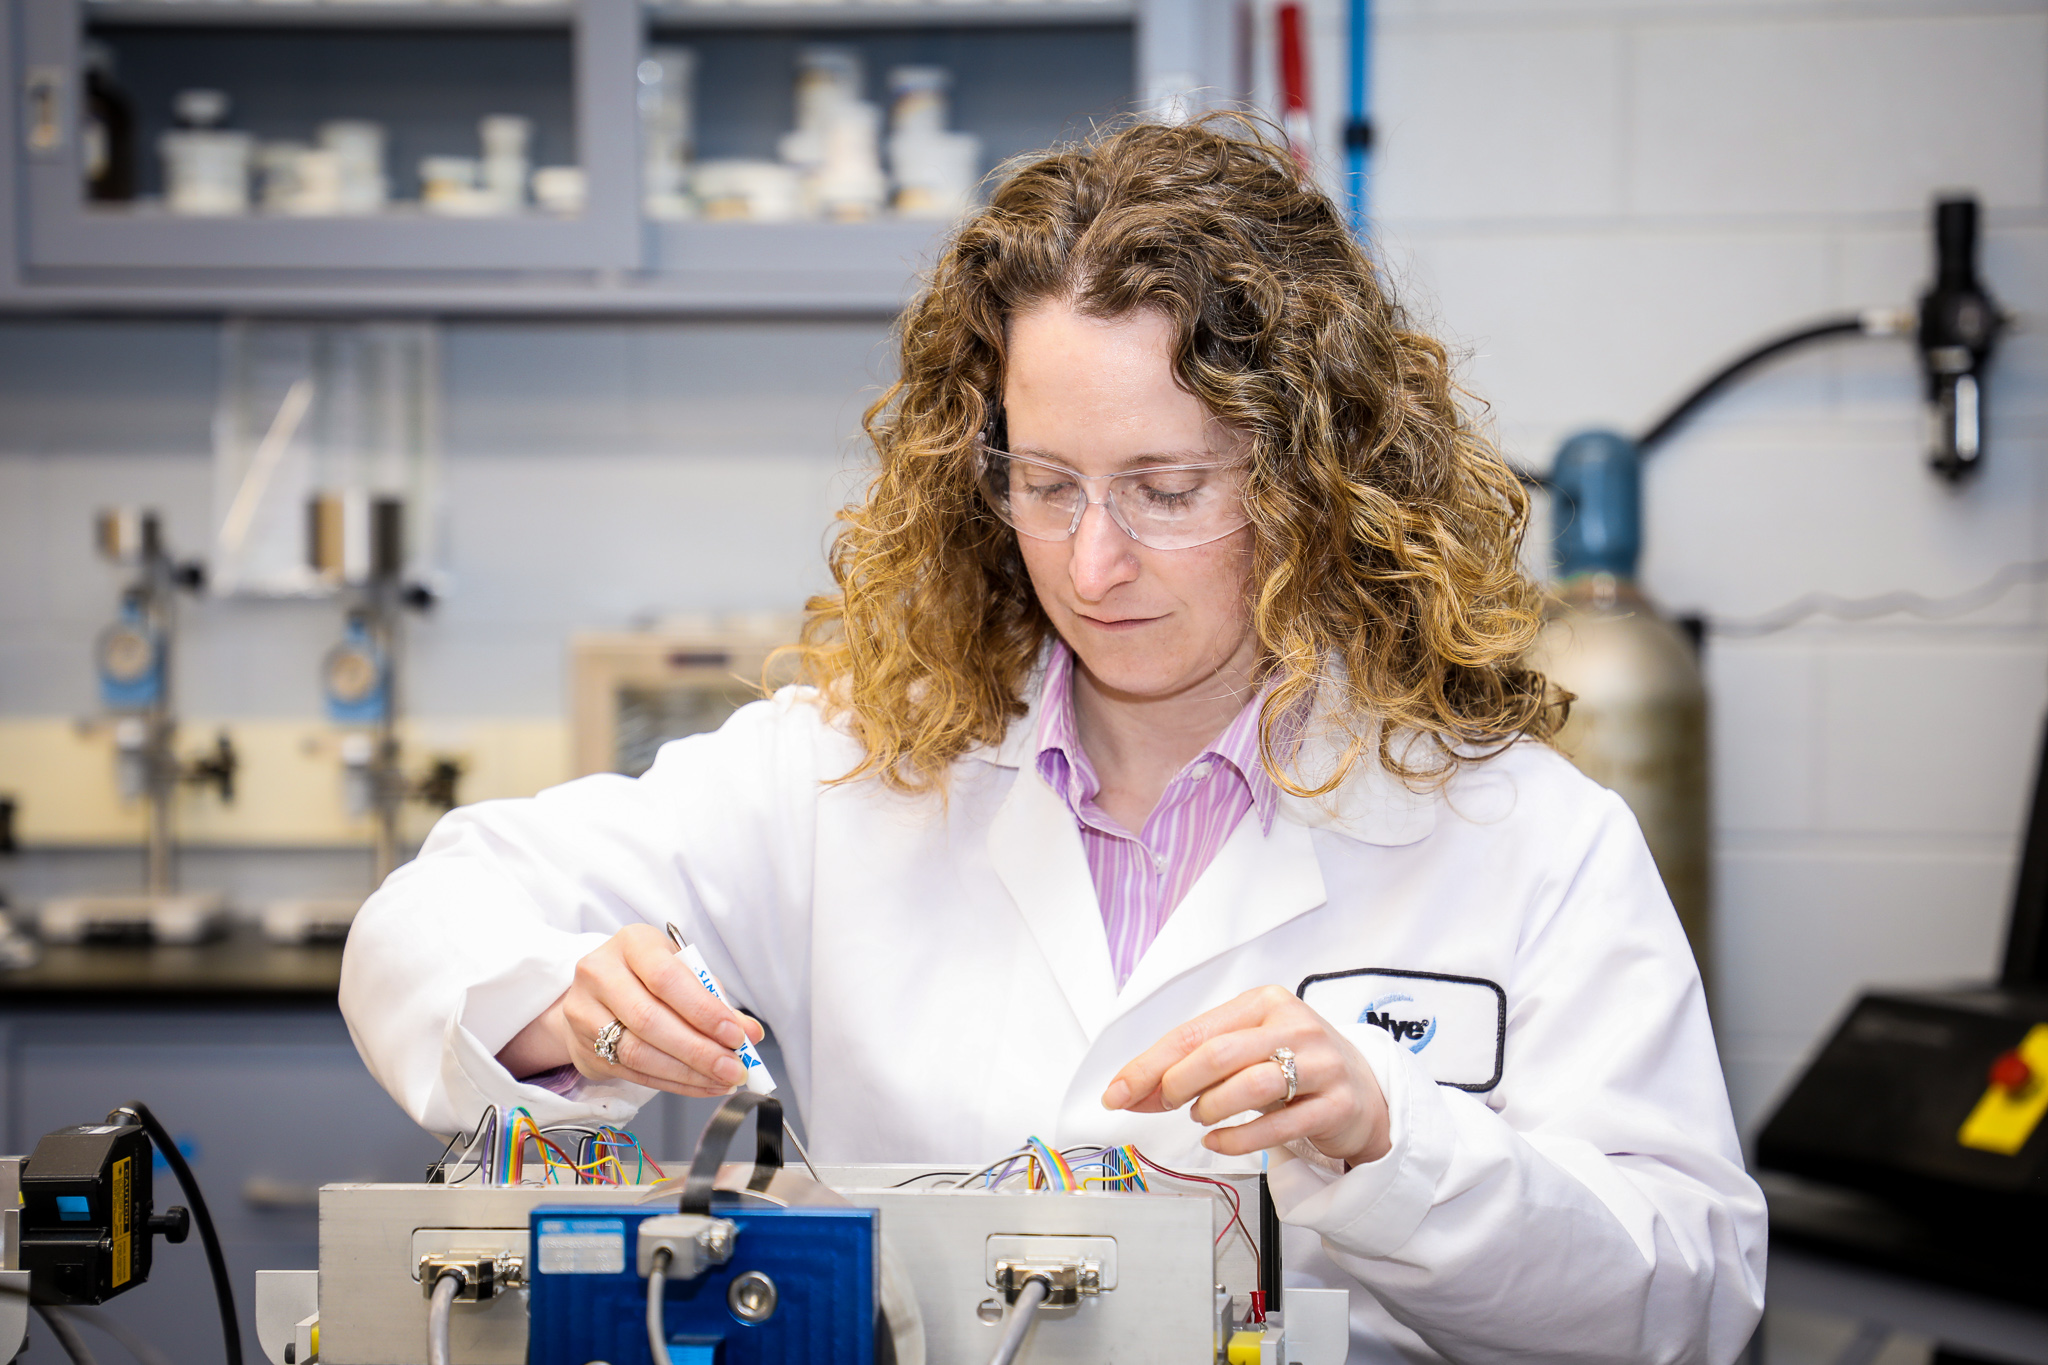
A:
[1140,878]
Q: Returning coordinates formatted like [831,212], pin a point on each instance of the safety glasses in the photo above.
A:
[1165,507]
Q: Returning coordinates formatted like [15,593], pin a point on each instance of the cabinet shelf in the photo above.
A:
[683,14]
[104,14]
[809,269]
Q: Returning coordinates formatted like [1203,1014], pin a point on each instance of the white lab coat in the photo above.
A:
[940,983]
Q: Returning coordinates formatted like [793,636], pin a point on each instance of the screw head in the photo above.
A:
[752,1297]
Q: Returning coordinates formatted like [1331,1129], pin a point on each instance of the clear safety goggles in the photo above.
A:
[1165,507]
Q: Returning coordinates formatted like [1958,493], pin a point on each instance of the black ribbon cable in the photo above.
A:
[1269,1247]
[717,1137]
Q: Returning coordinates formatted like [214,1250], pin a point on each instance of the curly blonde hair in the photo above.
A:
[1385,581]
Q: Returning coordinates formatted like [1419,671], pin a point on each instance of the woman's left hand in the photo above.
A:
[1223,1061]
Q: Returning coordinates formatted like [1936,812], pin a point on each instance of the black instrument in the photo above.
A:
[1874,1128]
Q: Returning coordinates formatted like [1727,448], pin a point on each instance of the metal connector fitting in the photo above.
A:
[695,1242]
[481,1276]
[1067,1282]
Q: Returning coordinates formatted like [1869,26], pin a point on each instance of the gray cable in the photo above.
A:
[134,1345]
[66,1334]
[446,1285]
[1017,1322]
[1885,604]
[657,1326]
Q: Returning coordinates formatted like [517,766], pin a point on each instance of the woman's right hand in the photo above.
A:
[679,1037]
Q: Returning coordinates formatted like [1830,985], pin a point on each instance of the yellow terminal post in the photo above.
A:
[1244,1347]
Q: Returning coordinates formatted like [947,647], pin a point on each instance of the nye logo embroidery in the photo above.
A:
[1456,1026]
[1385,1013]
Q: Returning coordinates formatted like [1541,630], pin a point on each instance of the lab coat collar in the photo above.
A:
[1259,880]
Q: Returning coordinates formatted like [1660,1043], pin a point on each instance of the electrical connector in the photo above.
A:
[481,1275]
[1066,1282]
[695,1242]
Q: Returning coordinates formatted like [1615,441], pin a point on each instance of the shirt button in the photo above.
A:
[1159,863]
[1204,768]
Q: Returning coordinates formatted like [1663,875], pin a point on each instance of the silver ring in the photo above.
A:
[1283,1057]
[607,1044]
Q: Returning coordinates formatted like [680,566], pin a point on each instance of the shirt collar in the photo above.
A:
[1372,806]
[1065,766]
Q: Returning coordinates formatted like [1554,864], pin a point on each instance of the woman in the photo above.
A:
[1167,759]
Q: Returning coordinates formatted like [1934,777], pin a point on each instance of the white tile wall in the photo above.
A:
[1602,200]
[1601,325]
[1839,115]
[1531,126]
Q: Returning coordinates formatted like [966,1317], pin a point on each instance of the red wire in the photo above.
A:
[1230,1192]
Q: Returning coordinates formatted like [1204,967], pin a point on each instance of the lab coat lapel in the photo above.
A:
[1257,882]
[1036,850]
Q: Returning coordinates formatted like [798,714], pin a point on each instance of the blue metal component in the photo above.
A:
[356,678]
[1358,127]
[1597,505]
[131,655]
[587,1302]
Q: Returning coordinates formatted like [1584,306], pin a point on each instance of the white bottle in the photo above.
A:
[667,78]
[505,162]
[206,167]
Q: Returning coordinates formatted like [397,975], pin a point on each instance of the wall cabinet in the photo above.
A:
[1026,73]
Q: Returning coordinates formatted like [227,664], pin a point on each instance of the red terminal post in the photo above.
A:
[2011,1072]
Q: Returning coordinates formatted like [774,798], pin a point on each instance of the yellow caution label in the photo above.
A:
[2007,1116]
[124,1244]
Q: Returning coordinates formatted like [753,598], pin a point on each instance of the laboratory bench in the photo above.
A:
[240,1048]
[241,968]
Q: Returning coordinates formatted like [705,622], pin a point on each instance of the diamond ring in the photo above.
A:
[1283,1057]
[607,1044]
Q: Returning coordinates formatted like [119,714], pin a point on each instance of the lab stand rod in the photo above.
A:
[160,765]
[161,878]
[388,789]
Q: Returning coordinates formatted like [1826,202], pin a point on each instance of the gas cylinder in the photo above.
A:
[1639,724]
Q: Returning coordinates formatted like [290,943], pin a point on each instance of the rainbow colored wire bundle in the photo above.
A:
[497,1153]
[1118,1168]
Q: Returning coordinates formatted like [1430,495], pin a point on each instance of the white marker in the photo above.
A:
[758,1079]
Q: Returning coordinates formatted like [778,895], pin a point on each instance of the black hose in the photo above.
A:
[1662,430]
[223,1290]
